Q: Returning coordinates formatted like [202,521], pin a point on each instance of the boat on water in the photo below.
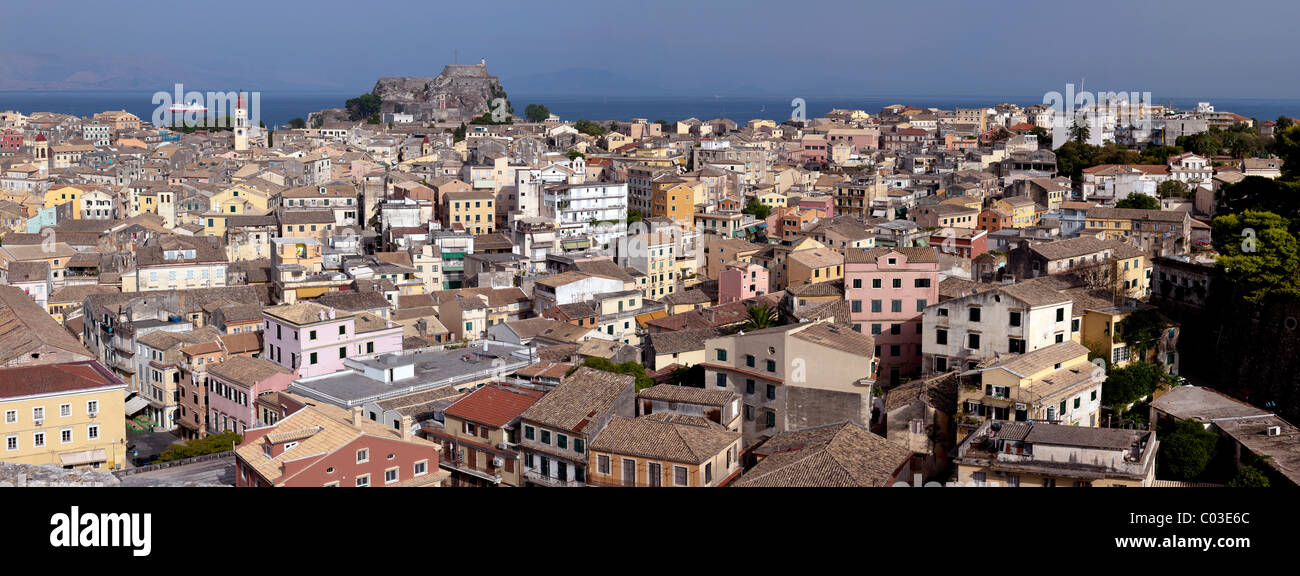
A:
[194,106]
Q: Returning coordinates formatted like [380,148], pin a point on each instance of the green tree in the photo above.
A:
[758,209]
[1131,383]
[458,134]
[643,380]
[1187,451]
[634,216]
[1206,143]
[364,106]
[588,127]
[1173,189]
[575,154]
[1044,138]
[1280,197]
[1286,144]
[1249,477]
[1138,200]
[487,119]
[758,317]
[1141,330]
[297,123]
[223,442]
[1259,253]
[537,113]
[1159,154]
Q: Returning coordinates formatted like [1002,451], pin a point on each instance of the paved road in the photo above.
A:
[149,445]
[219,471]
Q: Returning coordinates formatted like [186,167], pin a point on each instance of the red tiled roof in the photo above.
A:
[54,378]
[493,405]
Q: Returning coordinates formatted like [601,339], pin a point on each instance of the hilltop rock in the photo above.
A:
[458,94]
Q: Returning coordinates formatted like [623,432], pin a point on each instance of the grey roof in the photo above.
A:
[840,455]
[662,437]
[687,395]
[30,271]
[679,341]
[434,368]
[1084,436]
[583,397]
[353,300]
[1202,404]
[939,392]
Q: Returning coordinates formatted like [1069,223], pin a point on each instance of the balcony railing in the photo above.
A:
[538,478]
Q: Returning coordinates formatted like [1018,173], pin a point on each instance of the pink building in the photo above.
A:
[815,150]
[887,289]
[740,281]
[824,203]
[312,339]
[233,387]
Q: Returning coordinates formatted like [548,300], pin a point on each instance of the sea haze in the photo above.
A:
[279,107]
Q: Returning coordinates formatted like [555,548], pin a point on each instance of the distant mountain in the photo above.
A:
[26,71]
[577,81]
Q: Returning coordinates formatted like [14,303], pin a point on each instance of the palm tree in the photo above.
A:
[760,316]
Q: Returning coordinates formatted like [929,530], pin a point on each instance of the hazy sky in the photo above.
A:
[1189,48]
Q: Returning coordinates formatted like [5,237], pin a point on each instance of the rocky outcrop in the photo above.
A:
[13,474]
[458,94]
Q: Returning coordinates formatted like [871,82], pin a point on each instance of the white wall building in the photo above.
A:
[597,209]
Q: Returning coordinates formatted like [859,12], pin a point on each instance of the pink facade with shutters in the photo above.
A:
[737,283]
[887,291]
[321,347]
[231,405]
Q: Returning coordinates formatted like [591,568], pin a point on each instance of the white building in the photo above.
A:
[597,209]
[1013,319]
[529,184]
[570,288]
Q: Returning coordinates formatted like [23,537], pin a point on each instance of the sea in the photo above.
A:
[278,108]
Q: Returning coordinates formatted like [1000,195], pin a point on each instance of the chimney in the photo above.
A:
[332,313]
[408,428]
[356,416]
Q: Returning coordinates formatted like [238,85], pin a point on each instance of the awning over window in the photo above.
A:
[135,405]
[82,457]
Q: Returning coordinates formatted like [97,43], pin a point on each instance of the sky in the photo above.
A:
[1190,48]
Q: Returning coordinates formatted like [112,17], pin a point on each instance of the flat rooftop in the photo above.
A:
[1202,404]
[432,368]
